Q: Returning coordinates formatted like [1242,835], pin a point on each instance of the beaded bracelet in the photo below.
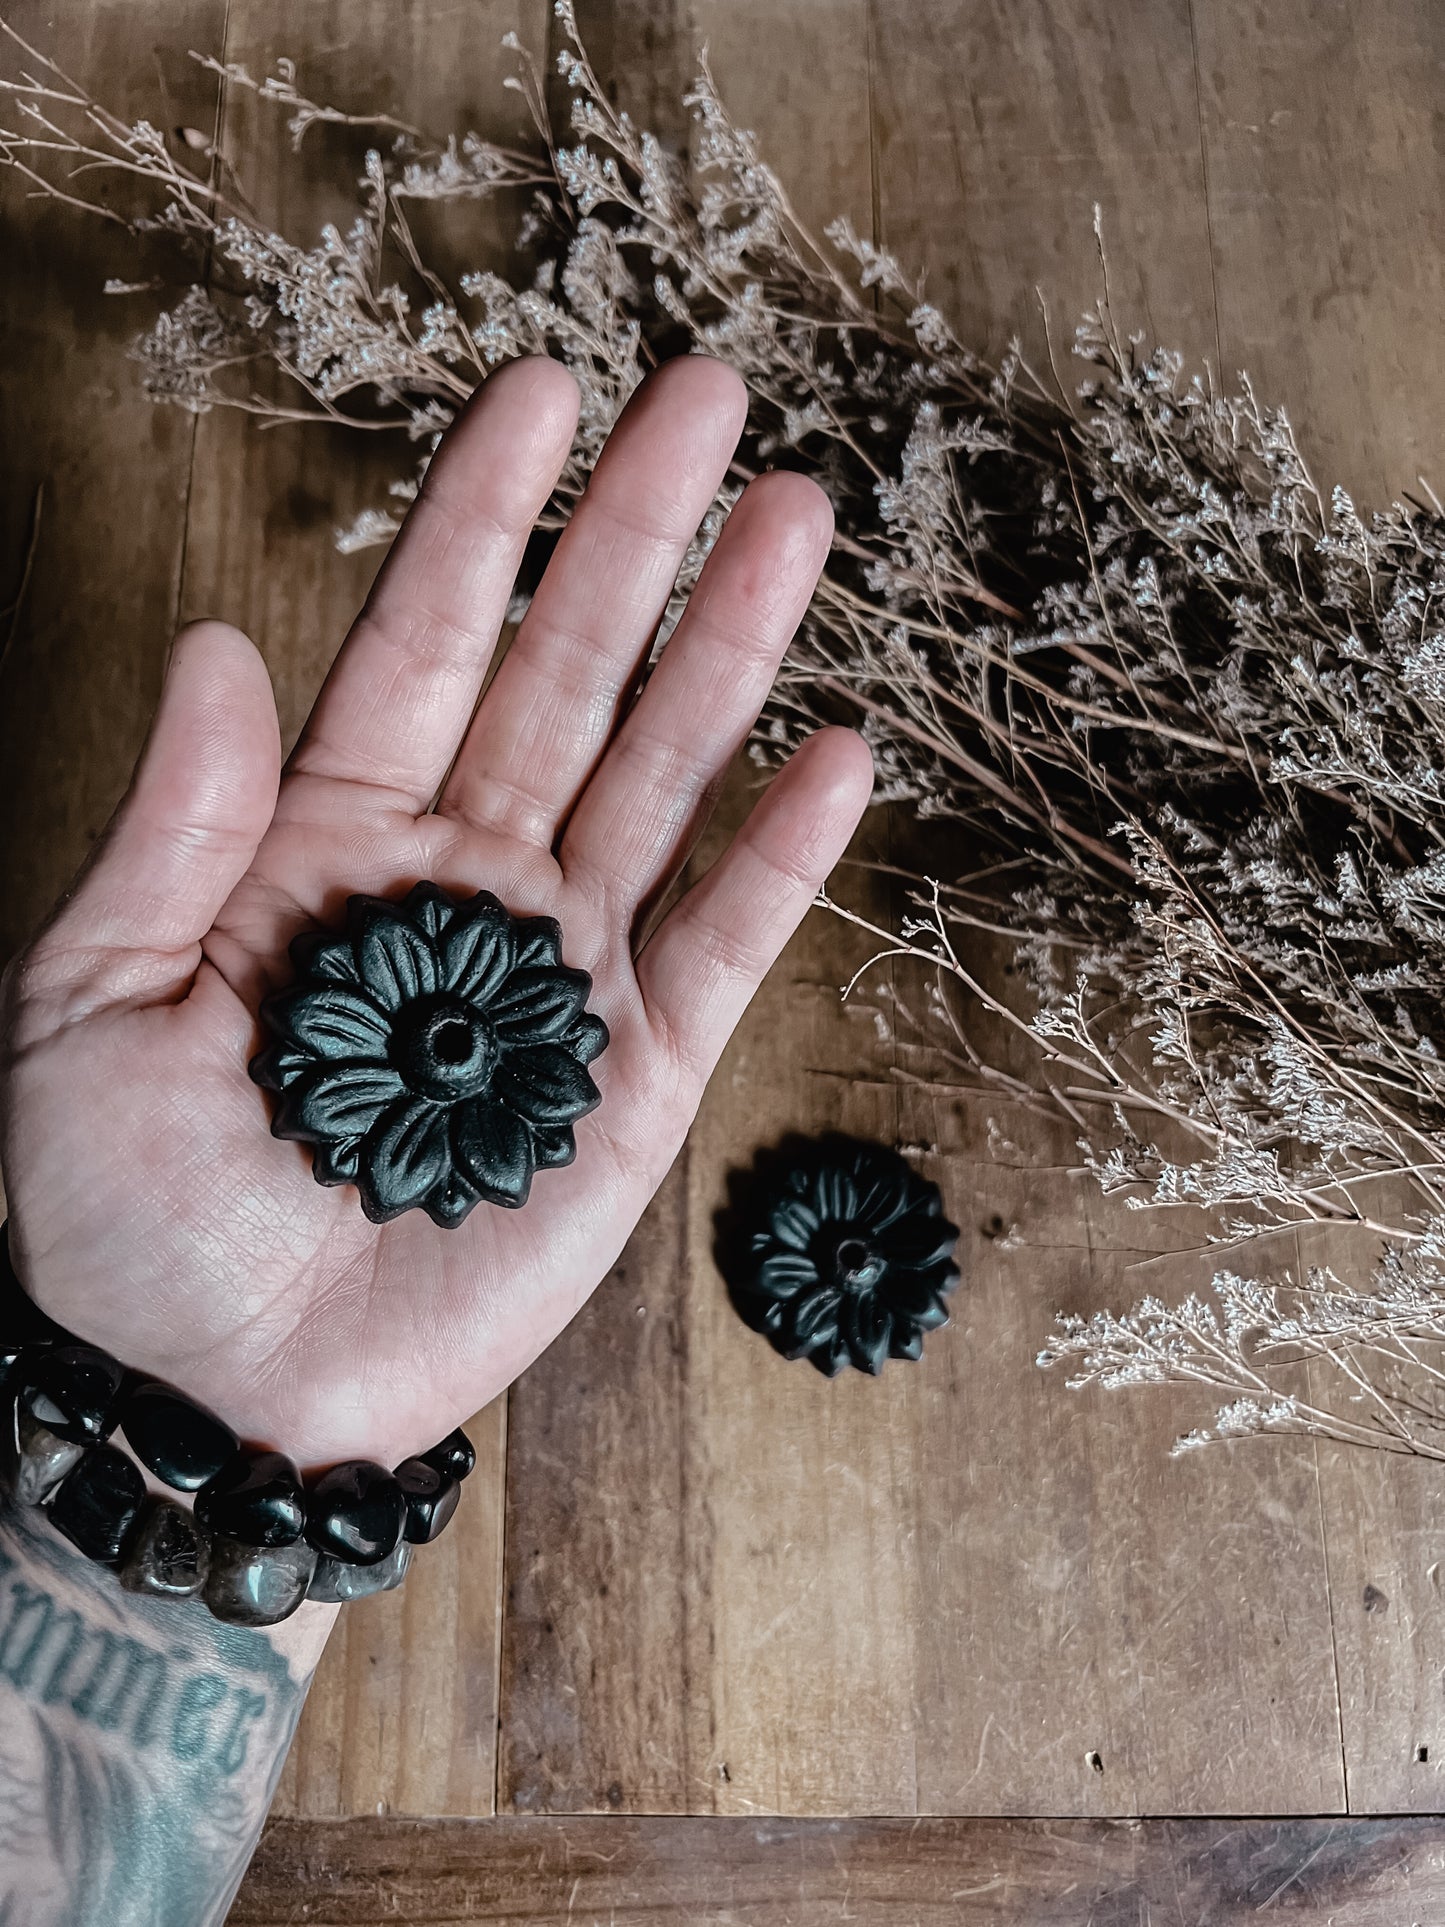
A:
[258,1541]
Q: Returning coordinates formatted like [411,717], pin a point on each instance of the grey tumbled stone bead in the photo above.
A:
[43,1459]
[335,1583]
[257,1585]
[171,1555]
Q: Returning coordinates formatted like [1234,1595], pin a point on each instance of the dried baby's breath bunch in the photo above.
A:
[1180,713]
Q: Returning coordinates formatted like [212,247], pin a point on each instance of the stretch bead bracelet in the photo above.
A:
[258,1540]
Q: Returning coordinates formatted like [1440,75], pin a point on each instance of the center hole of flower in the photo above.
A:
[857,1264]
[452,1040]
[443,1050]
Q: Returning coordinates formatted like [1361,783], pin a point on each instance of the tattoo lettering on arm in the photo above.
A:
[140,1742]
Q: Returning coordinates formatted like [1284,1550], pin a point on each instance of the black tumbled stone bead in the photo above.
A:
[42,1460]
[96,1506]
[356,1512]
[72,1390]
[170,1554]
[335,1583]
[255,1498]
[181,1442]
[454,1456]
[256,1585]
[431,1499]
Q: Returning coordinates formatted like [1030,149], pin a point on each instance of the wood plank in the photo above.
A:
[402,1716]
[1181,1606]
[84,664]
[1383,1523]
[957,1589]
[1381,1518]
[1320,126]
[885,1873]
[614,1676]
[1326,184]
[265,501]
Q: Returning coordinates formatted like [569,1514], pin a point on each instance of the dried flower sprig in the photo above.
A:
[1184,710]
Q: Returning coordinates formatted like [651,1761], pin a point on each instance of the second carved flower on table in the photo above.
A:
[850,1259]
[434,1055]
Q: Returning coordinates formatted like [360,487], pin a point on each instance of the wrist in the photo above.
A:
[257,1542]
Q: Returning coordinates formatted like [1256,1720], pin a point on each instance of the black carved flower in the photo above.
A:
[849,1259]
[434,1055]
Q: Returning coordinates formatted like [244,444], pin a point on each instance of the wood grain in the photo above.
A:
[264,503]
[789,1873]
[1003,124]
[402,1716]
[1176,1610]
[1320,127]
[1383,1541]
[1387,1582]
[623,1548]
[83,666]
[1326,183]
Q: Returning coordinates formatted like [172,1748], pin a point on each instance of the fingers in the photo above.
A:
[555,698]
[699,971]
[641,813]
[186,831]
[402,690]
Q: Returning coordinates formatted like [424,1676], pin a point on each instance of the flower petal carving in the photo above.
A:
[586,1039]
[491,1145]
[396,960]
[539,941]
[536,1005]
[344,1102]
[404,1157]
[327,1020]
[479,952]
[545,1085]
[553,1146]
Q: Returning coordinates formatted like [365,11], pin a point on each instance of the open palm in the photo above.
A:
[151,1211]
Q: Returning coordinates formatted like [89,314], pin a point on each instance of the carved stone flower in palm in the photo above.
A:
[434,1056]
[852,1260]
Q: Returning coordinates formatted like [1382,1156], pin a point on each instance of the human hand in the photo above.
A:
[152,1213]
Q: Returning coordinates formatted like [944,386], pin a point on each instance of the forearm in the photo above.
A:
[140,1740]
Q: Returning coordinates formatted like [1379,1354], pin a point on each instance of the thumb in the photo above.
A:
[186,831]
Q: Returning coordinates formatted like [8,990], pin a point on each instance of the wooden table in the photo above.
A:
[693,1589]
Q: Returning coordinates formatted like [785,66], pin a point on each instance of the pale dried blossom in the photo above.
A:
[1182,711]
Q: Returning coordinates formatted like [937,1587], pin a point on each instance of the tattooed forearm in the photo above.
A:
[139,1741]
[121,1683]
